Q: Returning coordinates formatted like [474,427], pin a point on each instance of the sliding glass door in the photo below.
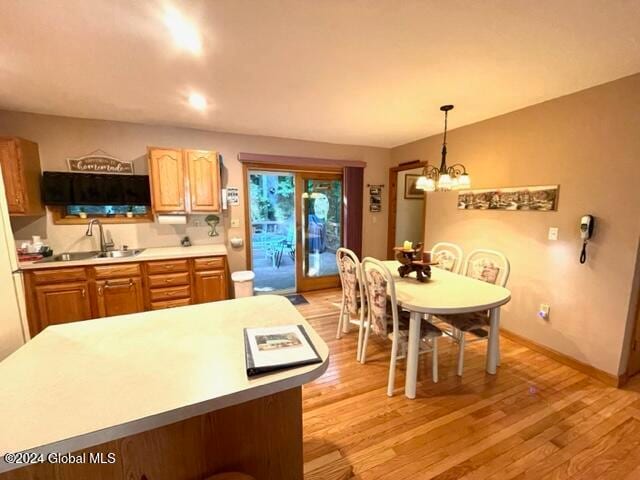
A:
[296,228]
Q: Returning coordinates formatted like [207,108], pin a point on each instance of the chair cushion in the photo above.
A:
[427,330]
[474,322]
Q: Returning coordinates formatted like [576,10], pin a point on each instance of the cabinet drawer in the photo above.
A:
[209,263]
[169,279]
[170,304]
[158,294]
[120,270]
[168,266]
[55,275]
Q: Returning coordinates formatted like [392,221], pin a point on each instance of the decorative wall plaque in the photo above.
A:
[542,198]
[100,162]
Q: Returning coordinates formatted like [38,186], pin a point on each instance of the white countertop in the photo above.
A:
[148,254]
[446,292]
[85,383]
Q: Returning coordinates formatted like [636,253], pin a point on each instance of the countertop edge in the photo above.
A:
[142,257]
[115,432]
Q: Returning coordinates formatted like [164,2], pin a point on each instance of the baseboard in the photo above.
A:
[605,377]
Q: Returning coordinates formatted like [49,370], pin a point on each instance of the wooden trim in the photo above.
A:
[393,203]
[276,167]
[59,218]
[298,161]
[604,377]
[247,215]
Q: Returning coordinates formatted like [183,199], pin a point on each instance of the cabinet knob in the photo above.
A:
[100,291]
[84,292]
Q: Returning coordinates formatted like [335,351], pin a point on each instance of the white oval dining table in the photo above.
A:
[446,293]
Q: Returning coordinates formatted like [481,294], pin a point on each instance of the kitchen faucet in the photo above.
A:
[104,244]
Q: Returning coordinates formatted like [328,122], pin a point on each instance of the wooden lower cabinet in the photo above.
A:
[210,286]
[119,296]
[61,303]
[62,295]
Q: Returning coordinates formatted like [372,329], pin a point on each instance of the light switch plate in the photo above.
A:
[553,233]
[235,222]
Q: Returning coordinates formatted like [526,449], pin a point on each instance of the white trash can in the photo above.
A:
[243,283]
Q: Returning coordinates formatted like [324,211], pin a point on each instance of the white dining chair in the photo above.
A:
[488,266]
[386,320]
[352,308]
[448,256]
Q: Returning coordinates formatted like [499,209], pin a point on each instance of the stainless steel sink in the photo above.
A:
[119,253]
[71,256]
[68,257]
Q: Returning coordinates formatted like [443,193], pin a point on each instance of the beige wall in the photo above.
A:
[60,138]
[589,143]
[409,212]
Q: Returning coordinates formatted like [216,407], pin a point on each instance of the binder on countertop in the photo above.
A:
[271,349]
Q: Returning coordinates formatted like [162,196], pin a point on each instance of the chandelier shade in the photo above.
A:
[444,178]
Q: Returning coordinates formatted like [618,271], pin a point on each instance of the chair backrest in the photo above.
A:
[448,255]
[350,272]
[488,265]
[380,288]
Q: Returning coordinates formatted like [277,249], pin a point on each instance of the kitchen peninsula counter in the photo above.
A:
[165,391]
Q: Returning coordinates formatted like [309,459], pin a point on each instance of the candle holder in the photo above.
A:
[412,260]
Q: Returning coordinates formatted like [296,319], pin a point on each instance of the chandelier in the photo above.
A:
[444,178]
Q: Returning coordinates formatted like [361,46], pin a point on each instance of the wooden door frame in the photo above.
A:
[393,202]
[633,357]
[279,167]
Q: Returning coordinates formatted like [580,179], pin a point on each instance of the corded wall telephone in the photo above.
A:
[587,224]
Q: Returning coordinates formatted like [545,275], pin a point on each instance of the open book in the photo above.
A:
[276,348]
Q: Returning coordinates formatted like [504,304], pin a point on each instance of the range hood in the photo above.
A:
[63,188]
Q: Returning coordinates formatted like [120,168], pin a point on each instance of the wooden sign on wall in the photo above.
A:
[100,162]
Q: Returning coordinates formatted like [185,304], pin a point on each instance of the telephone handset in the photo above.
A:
[587,224]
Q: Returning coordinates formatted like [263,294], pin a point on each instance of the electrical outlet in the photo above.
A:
[553,233]
[235,222]
[543,313]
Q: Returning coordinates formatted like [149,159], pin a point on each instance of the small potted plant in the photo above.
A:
[82,213]
[130,212]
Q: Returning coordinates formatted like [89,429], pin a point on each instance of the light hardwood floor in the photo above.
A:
[535,419]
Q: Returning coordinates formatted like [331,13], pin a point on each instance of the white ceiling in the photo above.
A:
[371,72]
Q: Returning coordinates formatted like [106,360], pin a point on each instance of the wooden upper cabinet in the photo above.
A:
[203,172]
[184,181]
[20,164]
[119,297]
[166,173]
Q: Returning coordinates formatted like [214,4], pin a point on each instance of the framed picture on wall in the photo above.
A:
[410,190]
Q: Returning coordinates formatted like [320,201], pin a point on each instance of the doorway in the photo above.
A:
[406,206]
[296,226]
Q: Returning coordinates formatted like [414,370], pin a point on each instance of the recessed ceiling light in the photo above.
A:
[197,101]
[184,34]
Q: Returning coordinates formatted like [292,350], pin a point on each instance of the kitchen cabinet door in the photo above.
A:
[210,286]
[204,180]
[119,297]
[20,164]
[61,303]
[166,173]
[12,175]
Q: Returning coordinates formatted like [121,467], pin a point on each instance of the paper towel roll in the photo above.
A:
[172,219]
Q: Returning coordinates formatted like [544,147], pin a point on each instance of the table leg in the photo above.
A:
[493,344]
[412,355]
